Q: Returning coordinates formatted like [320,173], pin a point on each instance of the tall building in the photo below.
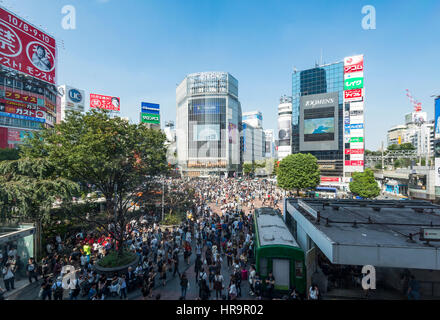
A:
[208,125]
[72,99]
[328,120]
[253,118]
[417,131]
[284,144]
[28,92]
[253,136]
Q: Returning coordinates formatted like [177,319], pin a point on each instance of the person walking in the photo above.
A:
[57,289]
[313,292]
[218,285]
[31,270]
[184,286]
[8,277]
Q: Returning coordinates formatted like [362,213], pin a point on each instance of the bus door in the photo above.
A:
[281,273]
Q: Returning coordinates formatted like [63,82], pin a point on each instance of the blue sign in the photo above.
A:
[19,116]
[75,95]
[437,116]
[151,108]
[203,109]
[357,126]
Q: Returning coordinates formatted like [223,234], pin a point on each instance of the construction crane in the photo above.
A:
[417,105]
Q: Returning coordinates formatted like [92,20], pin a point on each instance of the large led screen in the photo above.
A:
[206,132]
[320,129]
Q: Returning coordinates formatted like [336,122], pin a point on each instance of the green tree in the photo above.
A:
[248,168]
[397,163]
[298,171]
[407,146]
[364,185]
[378,166]
[108,154]
[29,188]
[9,154]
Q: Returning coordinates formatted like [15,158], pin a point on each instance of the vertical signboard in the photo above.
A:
[437,117]
[354,114]
[150,113]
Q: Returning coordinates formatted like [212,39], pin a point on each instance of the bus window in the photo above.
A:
[263,266]
[298,269]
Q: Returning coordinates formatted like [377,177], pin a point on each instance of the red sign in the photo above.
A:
[358,67]
[354,151]
[24,111]
[329,179]
[353,95]
[356,163]
[104,102]
[25,48]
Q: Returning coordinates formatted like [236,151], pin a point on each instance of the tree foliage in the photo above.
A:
[107,154]
[298,171]
[364,185]
[30,187]
[9,154]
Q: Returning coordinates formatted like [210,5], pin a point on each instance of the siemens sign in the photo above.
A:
[75,96]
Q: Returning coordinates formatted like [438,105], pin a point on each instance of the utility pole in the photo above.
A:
[383,167]
[163,196]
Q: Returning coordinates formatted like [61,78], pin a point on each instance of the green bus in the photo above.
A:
[276,250]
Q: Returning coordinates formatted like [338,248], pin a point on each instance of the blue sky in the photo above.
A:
[141,49]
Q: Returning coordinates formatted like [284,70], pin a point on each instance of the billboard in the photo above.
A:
[354,64]
[71,99]
[353,95]
[233,133]
[104,102]
[319,122]
[150,118]
[151,108]
[26,49]
[353,83]
[437,117]
[206,132]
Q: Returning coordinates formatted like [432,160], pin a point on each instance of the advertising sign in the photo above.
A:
[104,102]
[437,117]
[354,64]
[25,48]
[357,145]
[353,83]
[356,157]
[329,179]
[356,139]
[353,95]
[206,132]
[150,118]
[20,97]
[151,108]
[30,112]
[206,109]
[21,117]
[354,151]
[233,134]
[354,162]
[357,119]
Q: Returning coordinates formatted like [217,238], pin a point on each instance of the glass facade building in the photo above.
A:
[320,80]
[208,124]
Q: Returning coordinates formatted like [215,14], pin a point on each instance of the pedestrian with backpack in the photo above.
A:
[57,289]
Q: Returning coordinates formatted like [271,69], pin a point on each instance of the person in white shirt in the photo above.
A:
[313,292]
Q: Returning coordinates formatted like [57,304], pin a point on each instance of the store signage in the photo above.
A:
[354,151]
[353,83]
[357,139]
[329,179]
[150,118]
[354,162]
[353,95]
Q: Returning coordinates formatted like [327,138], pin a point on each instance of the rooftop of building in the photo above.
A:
[395,223]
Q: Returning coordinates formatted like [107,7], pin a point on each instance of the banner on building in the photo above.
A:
[104,102]
[25,48]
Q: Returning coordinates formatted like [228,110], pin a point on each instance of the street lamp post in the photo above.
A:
[163,196]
